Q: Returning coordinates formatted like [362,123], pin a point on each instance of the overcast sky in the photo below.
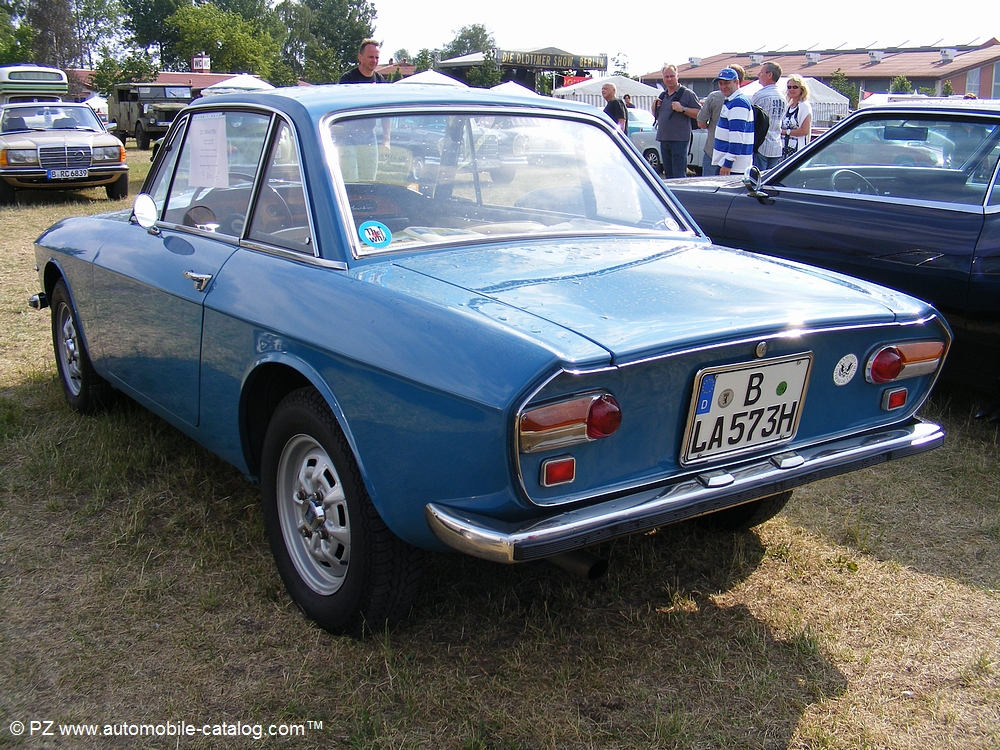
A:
[650,40]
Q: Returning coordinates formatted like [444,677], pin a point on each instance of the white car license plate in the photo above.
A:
[744,406]
[68,174]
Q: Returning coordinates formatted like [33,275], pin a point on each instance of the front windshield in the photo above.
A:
[422,179]
[52,116]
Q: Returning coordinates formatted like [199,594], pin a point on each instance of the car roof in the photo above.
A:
[947,106]
[320,100]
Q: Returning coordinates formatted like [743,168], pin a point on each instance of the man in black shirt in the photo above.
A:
[367,62]
[616,107]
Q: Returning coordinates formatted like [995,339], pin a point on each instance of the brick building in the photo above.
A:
[971,69]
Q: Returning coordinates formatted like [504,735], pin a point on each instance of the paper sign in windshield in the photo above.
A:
[209,162]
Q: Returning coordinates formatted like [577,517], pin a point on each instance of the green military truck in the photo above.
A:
[144,111]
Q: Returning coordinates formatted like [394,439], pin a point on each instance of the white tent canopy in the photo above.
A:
[433,78]
[590,91]
[99,104]
[513,88]
[828,104]
[238,83]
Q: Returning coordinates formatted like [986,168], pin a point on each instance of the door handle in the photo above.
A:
[200,279]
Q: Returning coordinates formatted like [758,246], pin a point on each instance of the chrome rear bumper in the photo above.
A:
[696,495]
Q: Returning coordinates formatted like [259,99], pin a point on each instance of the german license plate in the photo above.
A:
[68,174]
[741,407]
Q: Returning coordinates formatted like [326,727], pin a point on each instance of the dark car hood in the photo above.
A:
[634,297]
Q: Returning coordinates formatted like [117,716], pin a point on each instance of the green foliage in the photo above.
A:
[401,55]
[947,89]
[144,21]
[839,82]
[134,67]
[424,60]
[469,39]
[338,27]
[233,43]
[900,85]
[486,75]
[16,40]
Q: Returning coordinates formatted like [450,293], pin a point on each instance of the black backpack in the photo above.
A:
[761,124]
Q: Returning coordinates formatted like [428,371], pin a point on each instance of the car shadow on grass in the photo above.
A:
[936,512]
[653,650]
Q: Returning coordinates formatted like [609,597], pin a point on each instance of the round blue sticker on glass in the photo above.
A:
[375,233]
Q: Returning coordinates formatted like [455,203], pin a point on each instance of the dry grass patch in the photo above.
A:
[136,585]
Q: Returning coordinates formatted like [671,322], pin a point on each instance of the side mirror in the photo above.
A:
[753,180]
[144,211]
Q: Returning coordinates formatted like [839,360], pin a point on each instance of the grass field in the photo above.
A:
[136,587]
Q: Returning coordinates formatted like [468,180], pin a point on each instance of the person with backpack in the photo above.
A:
[708,118]
[675,111]
[732,151]
[768,154]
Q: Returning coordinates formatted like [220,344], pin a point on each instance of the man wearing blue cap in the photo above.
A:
[732,152]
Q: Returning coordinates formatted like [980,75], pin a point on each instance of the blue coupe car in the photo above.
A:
[415,360]
[905,195]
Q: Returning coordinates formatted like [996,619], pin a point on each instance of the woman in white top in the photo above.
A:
[797,120]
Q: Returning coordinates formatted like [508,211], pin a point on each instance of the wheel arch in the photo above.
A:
[264,388]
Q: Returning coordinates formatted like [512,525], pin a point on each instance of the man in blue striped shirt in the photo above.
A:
[733,149]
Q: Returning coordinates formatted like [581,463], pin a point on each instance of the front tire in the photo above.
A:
[85,390]
[141,137]
[746,516]
[118,189]
[6,194]
[339,562]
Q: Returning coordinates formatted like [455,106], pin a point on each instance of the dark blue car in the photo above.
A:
[903,194]
[516,369]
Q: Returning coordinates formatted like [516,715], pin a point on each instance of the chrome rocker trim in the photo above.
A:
[505,542]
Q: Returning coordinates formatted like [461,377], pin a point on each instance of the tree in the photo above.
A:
[339,27]
[401,55]
[54,43]
[900,85]
[135,67]
[17,37]
[96,24]
[144,19]
[469,39]
[233,43]
[946,88]
[486,75]
[424,60]
[839,82]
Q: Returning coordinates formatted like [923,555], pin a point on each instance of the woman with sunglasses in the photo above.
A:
[797,120]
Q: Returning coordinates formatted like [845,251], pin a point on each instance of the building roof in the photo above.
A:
[939,62]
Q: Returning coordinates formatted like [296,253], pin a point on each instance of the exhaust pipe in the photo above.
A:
[580,563]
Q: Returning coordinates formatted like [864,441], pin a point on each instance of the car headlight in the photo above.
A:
[108,153]
[18,157]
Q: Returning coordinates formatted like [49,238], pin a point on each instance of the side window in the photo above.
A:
[280,216]
[161,182]
[215,171]
[946,160]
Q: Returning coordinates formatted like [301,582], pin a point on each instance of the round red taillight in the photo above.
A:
[886,366]
[604,418]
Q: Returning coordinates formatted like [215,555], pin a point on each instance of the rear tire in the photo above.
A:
[118,189]
[339,562]
[502,175]
[85,390]
[748,515]
[653,157]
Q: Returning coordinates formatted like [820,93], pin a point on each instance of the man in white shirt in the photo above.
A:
[773,103]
